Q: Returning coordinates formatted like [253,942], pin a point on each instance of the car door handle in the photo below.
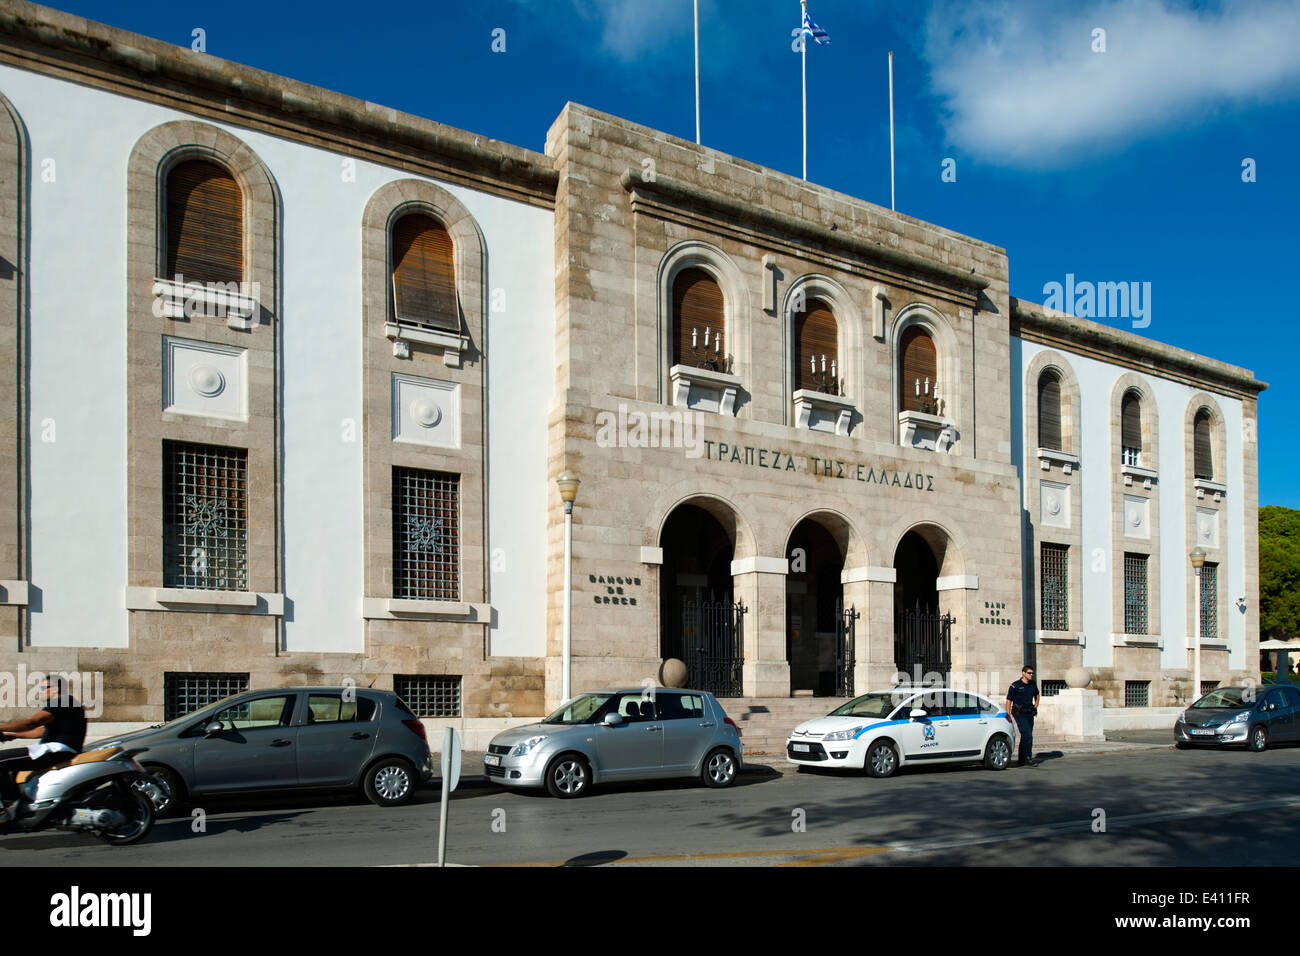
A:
[281,743]
[360,736]
[707,723]
[652,729]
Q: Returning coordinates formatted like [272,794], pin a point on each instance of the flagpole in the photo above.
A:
[697,72]
[803,66]
[891,130]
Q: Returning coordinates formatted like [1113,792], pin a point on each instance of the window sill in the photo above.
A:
[177,300]
[1057,637]
[823,412]
[451,343]
[1050,456]
[1213,643]
[922,430]
[1131,472]
[1204,486]
[1137,640]
[14,593]
[411,609]
[197,599]
[703,389]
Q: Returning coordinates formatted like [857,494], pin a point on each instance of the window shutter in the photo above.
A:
[1202,451]
[1049,411]
[1131,422]
[698,305]
[205,223]
[815,335]
[424,274]
[918,363]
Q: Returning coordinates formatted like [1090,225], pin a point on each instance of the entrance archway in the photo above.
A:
[814,602]
[922,633]
[699,621]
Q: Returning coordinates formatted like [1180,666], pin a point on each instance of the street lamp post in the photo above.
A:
[568,485]
[1197,557]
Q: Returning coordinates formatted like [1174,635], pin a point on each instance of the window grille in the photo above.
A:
[184,693]
[1137,693]
[1207,686]
[205,517]
[426,535]
[1135,593]
[1056,587]
[1051,688]
[1209,601]
[429,696]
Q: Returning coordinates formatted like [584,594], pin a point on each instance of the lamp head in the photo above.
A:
[1198,557]
[568,483]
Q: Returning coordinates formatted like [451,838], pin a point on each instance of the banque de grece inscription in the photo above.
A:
[865,472]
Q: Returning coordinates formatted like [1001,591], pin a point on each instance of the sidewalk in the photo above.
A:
[1130,741]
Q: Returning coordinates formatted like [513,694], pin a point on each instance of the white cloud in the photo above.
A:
[1022,86]
[629,29]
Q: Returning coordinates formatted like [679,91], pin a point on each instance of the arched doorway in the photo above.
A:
[699,620]
[922,634]
[814,611]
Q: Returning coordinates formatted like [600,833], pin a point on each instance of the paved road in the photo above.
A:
[1161,807]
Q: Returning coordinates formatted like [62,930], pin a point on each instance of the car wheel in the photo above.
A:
[568,775]
[1258,738]
[169,795]
[719,769]
[997,755]
[389,783]
[882,759]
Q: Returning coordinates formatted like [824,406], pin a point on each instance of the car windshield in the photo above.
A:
[869,705]
[1224,698]
[579,710]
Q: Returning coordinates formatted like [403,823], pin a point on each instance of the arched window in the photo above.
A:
[816,349]
[918,365]
[205,223]
[1131,429]
[424,276]
[1049,411]
[699,315]
[1202,450]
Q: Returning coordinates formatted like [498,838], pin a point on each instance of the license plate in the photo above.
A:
[492,759]
[802,748]
[1204,732]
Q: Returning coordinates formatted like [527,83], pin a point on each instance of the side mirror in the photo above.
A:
[213,728]
[917,712]
[613,720]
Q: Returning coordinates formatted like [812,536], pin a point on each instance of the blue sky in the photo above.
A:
[1115,165]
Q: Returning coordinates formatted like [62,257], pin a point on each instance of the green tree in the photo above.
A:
[1279,572]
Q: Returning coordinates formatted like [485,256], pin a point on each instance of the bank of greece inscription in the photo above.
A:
[613,585]
[777,460]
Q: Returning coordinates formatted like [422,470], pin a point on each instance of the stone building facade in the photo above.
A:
[808,429]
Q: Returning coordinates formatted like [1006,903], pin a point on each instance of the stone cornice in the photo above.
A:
[665,191]
[1036,323]
[47,41]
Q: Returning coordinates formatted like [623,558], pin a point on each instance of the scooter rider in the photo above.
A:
[61,727]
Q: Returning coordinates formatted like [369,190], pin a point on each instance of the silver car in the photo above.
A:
[609,735]
[310,738]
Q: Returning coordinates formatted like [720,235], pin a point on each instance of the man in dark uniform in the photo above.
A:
[1022,705]
[61,726]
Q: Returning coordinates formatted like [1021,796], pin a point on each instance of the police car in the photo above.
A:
[885,730]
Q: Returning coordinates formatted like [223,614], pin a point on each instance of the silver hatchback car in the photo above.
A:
[310,738]
[609,735]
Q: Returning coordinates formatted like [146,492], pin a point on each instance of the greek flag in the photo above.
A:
[811,29]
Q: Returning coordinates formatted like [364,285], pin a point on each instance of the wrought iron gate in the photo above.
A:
[846,628]
[923,644]
[713,645]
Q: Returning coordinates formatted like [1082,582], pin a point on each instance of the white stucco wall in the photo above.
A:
[1096,383]
[78,376]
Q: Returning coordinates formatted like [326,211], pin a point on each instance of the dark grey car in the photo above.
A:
[1253,716]
[311,738]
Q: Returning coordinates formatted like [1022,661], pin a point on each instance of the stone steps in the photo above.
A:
[765,722]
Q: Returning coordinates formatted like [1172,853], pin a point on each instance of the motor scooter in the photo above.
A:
[104,792]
